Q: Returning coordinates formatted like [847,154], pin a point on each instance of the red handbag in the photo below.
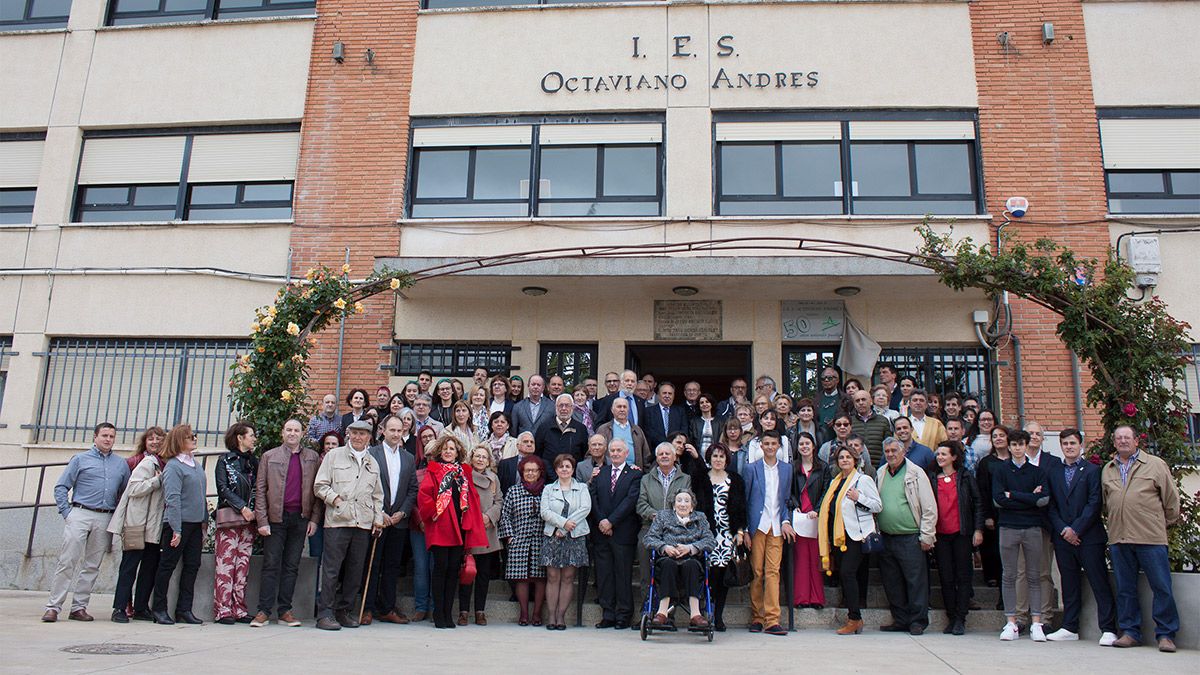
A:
[466,573]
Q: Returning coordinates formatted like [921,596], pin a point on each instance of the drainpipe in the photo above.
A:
[1078,391]
[337,391]
[1016,343]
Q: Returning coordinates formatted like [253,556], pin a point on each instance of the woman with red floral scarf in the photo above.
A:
[449,508]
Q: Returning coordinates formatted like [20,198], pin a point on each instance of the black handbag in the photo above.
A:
[872,543]
[738,572]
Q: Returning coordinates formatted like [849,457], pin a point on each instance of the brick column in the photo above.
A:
[1039,139]
[350,184]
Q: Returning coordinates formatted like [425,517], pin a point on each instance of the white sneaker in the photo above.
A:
[1063,635]
[1036,633]
[1010,632]
[1108,639]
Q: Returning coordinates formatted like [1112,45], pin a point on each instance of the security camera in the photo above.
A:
[1017,206]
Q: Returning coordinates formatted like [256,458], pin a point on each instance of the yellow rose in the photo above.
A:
[296,358]
[285,395]
[339,303]
[395,284]
[272,311]
[310,274]
[346,268]
[305,293]
[358,308]
[293,329]
[267,321]
[254,327]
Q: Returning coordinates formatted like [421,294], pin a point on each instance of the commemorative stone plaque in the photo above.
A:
[687,320]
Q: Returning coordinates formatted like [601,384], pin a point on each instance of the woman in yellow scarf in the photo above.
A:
[846,518]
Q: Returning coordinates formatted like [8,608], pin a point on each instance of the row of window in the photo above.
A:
[35,14]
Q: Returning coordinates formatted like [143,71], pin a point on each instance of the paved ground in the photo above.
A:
[29,646]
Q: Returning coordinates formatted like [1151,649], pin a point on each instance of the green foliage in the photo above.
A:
[268,382]
[1134,348]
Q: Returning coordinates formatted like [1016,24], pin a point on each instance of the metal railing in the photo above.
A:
[37,504]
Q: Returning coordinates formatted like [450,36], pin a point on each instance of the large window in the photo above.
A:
[205,175]
[771,166]
[33,14]
[573,362]
[451,359]
[129,12]
[136,384]
[1151,160]
[20,164]
[940,370]
[518,170]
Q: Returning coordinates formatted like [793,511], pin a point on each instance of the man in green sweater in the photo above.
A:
[907,523]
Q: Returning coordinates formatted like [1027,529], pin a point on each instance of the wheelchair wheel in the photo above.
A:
[645,627]
[709,633]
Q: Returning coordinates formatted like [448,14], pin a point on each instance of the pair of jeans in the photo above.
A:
[281,564]
[422,599]
[955,567]
[140,565]
[447,560]
[904,568]
[1152,559]
[191,540]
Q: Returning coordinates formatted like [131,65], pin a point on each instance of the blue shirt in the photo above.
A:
[321,425]
[93,479]
[1126,467]
[626,434]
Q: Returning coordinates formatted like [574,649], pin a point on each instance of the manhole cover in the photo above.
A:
[116,648]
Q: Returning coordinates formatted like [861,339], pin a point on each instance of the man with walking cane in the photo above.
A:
[350,485]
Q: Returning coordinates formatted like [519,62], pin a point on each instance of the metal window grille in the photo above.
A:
[939,370]
[135,384]
[450,358]
[5,352]
[574,363]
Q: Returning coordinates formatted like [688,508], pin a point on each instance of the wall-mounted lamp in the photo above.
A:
[535,291]
[1047,33]
[370,56]
[339,51]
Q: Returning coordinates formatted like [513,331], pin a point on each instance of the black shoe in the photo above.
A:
[719,627]
[959,628]
[118,616]
[551,626]
[621,625]
[226,621]
[776,630]
[328,623]
[144,615]
[345,620]
[187,617]
[893,628]
[244,619]
[606,623]
[916,629]
[756,628]
[163,618]
[949,629]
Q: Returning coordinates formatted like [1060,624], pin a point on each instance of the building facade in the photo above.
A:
[164,166]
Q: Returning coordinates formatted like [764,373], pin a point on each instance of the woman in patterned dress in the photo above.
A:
[721,497]
[521,530]
[565,506]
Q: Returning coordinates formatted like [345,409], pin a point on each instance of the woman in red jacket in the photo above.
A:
[449,508]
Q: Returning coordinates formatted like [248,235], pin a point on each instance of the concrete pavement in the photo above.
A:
[29,646]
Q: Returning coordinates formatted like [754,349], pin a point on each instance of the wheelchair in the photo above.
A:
[650,608]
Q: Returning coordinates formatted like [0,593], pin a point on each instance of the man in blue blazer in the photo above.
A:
[615,526]
[768,488]
[1079,539]
[663,418]
[534,411]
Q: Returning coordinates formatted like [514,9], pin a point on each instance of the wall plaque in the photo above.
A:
[813,320]
[687,320]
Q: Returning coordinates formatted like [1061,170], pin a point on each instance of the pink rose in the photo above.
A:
[1129,409]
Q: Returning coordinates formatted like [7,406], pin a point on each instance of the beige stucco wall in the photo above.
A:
[1140,53]
[865,56]
[27,80]
[1177,280]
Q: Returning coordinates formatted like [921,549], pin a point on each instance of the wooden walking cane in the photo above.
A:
[362,606]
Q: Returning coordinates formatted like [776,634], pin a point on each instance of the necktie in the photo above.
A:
[632,409]
[616,473]
[666,413]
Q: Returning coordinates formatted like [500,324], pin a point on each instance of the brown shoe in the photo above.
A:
[289,619]
[462,619]
[394,617]
[659,620]
[1166,645]
[366,619]
[851,627]
[50,616]
[418,617]
[480,619]
[80,615]
[698,621]
[1126,641]
[261,619]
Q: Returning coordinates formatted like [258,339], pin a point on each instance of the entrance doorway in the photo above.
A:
[713,366]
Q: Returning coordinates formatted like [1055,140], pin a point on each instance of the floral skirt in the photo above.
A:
[564,552]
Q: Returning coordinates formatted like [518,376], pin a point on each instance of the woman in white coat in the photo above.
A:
[846,519]
[137,521]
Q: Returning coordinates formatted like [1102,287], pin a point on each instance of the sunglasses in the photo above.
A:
[841,424]
[829,377]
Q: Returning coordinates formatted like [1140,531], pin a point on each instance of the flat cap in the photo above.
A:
[361,425]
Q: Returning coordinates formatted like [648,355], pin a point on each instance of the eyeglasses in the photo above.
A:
[739,387]
[841,424]
[829,377]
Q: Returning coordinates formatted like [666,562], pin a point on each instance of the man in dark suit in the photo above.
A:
[398,473]
[691,400]
[737,394]
[615,534]
[507,470]
[535,411]
[562,435]
[637,406]
[663,418]
[1079,539]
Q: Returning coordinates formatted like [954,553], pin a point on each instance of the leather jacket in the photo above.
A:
[235,475]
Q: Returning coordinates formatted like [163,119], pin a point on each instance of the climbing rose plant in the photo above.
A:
[1137,353]
[268,381]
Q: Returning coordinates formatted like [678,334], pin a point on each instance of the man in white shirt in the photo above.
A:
[399,478]
[768,486]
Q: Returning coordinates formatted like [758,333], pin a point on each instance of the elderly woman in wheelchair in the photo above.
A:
[680,537]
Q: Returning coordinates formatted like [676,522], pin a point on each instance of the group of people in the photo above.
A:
[528,481]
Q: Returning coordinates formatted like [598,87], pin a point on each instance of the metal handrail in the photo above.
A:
[37,500]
